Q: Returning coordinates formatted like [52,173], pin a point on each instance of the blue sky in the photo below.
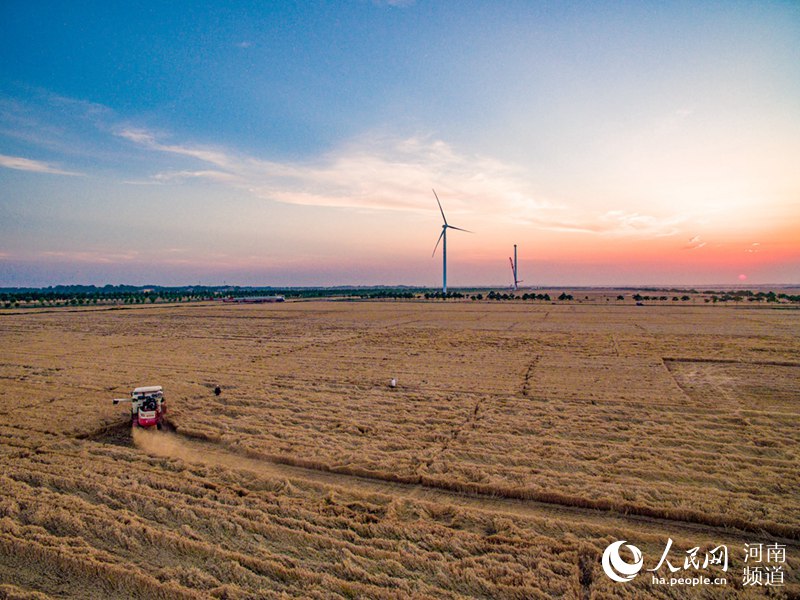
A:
[297,144]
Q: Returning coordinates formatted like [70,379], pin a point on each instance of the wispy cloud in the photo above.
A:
[372,172]
[395,3]
[149,140]
[75,130]
[636,223]
[384,173]
[618,223]
[87,256]
[36,166]
[178,176]
[695,243]
[85,109]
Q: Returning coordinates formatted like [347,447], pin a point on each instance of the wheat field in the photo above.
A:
[520,440]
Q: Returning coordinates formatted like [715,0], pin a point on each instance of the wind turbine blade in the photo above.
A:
[459,228]
[440,206]
[441,235]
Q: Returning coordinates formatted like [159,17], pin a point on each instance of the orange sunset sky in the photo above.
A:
[272,144]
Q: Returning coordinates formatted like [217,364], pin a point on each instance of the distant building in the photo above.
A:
[254,299]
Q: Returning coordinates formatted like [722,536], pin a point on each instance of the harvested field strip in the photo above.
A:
[773,363]
[263,536]
[99,522]
[178,446]
[96,577]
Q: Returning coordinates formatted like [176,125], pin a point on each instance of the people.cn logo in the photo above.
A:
[616,568]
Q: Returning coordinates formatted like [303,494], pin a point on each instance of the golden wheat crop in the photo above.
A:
[519,442]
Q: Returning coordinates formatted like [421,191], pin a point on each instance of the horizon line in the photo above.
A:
[740,285]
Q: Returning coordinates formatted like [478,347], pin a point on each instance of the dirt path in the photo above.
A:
[169,444]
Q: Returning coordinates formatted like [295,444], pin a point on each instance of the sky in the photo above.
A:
[298,144]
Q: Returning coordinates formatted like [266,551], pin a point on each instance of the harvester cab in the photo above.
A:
[147,406]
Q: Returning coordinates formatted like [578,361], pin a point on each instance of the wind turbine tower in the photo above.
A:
[516,279]
[443,239]
[513,262]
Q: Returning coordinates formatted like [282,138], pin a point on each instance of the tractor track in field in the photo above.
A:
[170,443]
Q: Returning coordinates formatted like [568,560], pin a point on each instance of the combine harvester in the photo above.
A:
[147,406]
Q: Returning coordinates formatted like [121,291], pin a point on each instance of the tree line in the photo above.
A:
[75,296]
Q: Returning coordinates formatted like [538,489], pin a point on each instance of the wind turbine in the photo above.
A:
[513,262]
[443,239]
